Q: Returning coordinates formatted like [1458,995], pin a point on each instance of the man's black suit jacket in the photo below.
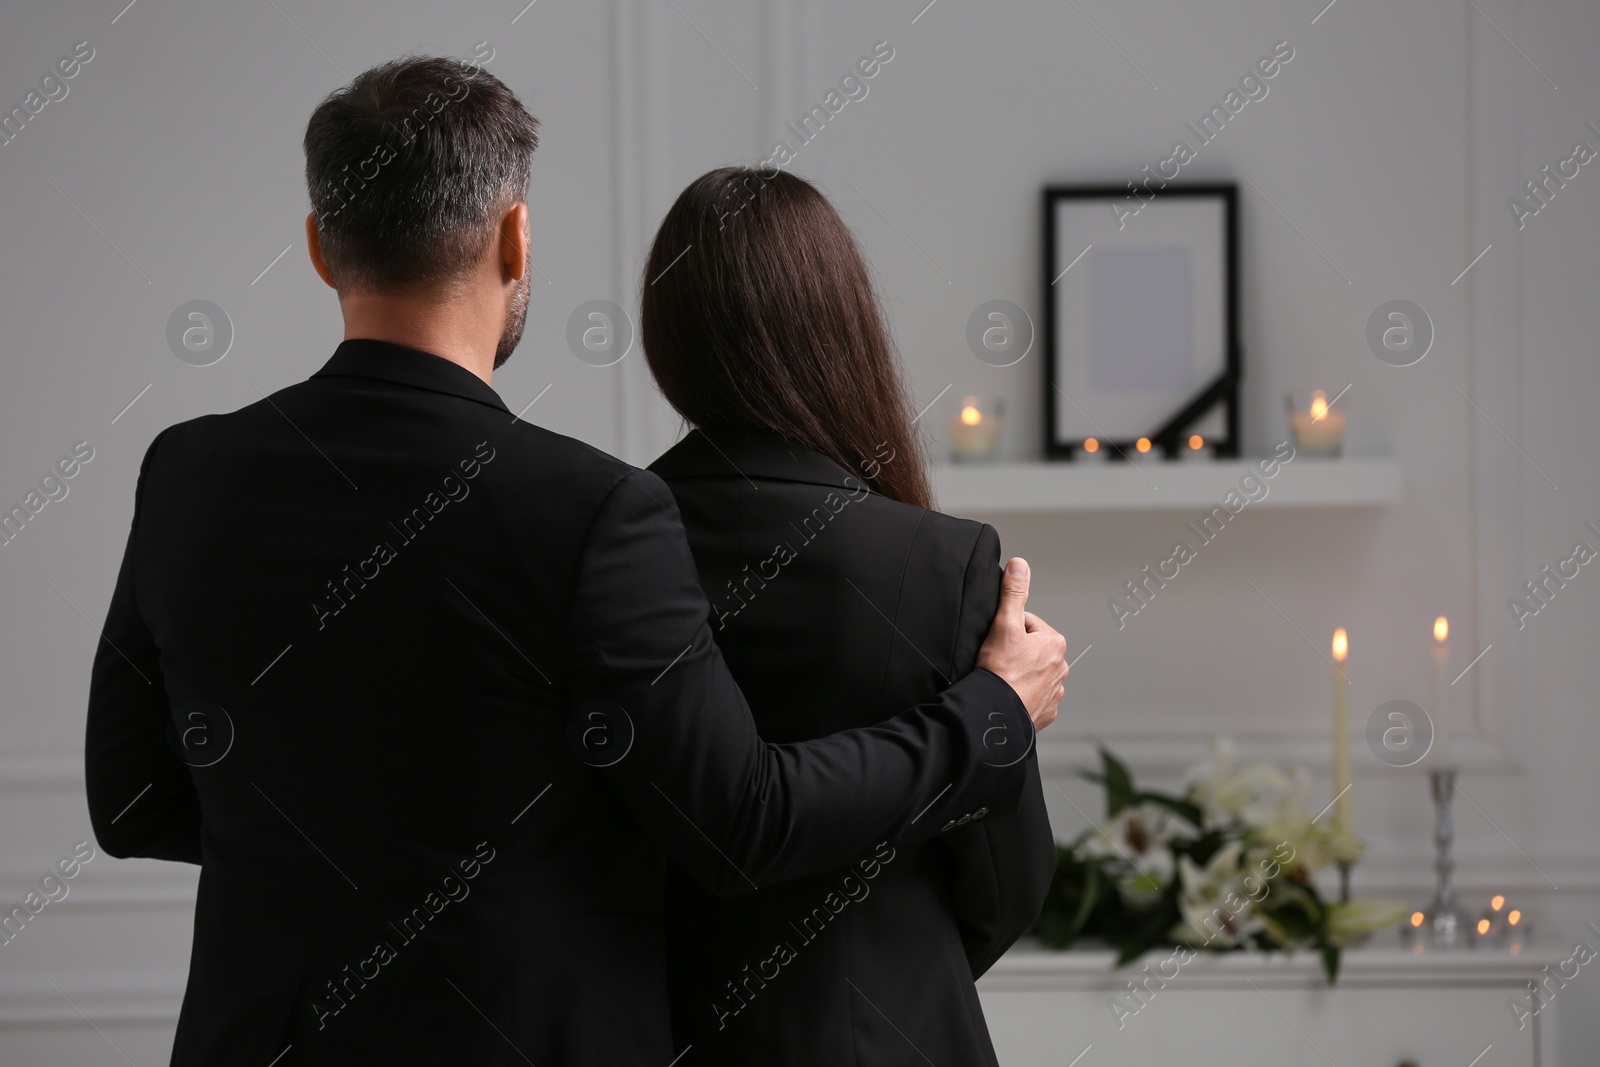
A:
[832,602]
[429,693]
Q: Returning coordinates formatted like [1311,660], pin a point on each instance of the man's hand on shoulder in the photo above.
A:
[1024,650]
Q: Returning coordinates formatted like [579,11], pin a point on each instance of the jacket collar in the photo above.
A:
[751,454]
[389,362]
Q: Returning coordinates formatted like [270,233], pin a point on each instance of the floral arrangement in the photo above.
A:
[1227,866]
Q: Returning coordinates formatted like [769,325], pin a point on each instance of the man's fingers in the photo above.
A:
[1034,625]
[1013,592]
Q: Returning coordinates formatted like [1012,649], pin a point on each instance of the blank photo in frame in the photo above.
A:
[1141,317]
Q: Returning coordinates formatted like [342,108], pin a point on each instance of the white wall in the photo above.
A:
[1390,144]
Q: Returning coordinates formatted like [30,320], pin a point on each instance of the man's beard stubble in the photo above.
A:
[516,318]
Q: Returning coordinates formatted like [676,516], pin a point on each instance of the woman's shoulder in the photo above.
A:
[948,566]
[946,576]
[936,529]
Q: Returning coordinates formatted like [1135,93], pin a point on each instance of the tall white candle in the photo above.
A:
[1441,714]
[1341,734]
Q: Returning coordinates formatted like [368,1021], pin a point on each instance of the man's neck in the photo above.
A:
[449,330]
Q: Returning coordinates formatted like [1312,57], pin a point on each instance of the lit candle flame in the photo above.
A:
[1483,926]
[971,415]
[1341,645]
[1143,444]
[1197,442]
[1416,918]
[1441,629]
[1515,917]
[1091,445]
[1498,902]
[1319,406]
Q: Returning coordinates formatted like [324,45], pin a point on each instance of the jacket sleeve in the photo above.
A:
[1002,865]
[142,801]
[737,812]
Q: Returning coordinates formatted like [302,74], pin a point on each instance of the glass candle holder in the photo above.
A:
[975,430]
[1496,913]
[1518,930]
[1196,448]
[1317,427]
[1093,450]
[1143,451]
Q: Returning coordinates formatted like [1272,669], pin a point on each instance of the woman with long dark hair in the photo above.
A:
[836,591]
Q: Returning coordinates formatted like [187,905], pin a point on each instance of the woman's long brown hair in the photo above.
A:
[759,313]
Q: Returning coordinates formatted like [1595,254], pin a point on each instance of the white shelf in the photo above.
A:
[1029,966]
[977,488]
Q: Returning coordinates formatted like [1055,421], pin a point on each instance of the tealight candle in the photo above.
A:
[1411,931]
[1092,451]
[974,433]
[1518,930]
[1318,428]
[1143,451]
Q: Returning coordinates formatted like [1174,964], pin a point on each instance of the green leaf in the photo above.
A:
[1069,905]
[1130,949]
[1294,924]
[1086,902]
[1118,782]
[1173,804]
[1201,850]
[1330,963]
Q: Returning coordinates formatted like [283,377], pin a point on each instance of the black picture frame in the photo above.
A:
[1170,433]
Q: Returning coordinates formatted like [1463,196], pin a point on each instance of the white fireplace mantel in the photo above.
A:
[1390,1006]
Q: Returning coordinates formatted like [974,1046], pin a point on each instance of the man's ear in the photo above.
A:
[513,243]
[314,246]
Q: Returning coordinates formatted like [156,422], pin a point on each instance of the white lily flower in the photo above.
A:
[1226,794]
[1291,823]
[1311,837]
[1217,907]
[1138,841]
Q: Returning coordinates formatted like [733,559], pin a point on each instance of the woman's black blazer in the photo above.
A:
[831,602]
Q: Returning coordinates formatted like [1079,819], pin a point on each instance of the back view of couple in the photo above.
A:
[494,749]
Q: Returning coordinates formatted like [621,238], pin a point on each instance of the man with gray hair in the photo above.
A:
[430,694]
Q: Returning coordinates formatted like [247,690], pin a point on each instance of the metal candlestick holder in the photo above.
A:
[1445,925]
